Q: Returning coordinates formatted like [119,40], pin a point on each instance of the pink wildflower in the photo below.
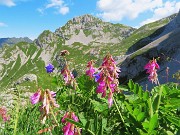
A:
[69,128]
[35,98]
[107,78]
[90,72]
[68,77]
[152,67]
[3,114]
[47,98]
[66,73]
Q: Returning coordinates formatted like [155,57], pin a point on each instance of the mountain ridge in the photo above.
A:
[14,40]
[23,58]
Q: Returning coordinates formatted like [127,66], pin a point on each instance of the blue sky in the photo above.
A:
[20,18]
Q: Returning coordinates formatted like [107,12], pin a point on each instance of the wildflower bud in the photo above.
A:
[64,52]
[90,72]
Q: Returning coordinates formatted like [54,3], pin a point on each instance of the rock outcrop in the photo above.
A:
[45,38]
[27,77]
[166,49]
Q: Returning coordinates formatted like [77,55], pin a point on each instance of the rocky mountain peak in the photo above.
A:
[88,29]
[85,19]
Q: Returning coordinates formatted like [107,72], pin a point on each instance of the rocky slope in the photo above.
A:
[165,47]
[154,31]
[90,30]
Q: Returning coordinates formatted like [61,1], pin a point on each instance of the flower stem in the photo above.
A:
[90,132]
[54,117]
[17,111]
[120,114]
[159,99]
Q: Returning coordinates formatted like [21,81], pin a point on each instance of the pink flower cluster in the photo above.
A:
[69,128]
[48,100]
[3,114]
[90,72]
[66,73]
[151,68]
[68,76]
[106,78]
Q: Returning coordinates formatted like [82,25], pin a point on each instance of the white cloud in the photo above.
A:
[59,5]
[8,3]
[168,8]
[64,10]
[55,3]
[3,24]
[116,10]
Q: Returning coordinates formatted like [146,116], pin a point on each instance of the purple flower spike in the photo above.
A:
[49,68]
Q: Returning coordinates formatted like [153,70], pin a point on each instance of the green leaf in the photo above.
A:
[131,84]
[150,107]
[101,128]
[145,95]
[165,91]
[75,123]
[96,122]
[79,125]
[99,106]
[155,102]
[123,88]
[128,107]
[174,120]
[153,122]
[82,119]
[88,125]
[140,92]
[104,122]
[145,125]
[169,133]
[136,111]
[141,116]
[136,88]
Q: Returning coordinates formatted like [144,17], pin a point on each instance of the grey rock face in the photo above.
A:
[27,77]
[45,39]
[166,49]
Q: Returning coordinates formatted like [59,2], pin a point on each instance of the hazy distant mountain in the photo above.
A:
[14,40]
